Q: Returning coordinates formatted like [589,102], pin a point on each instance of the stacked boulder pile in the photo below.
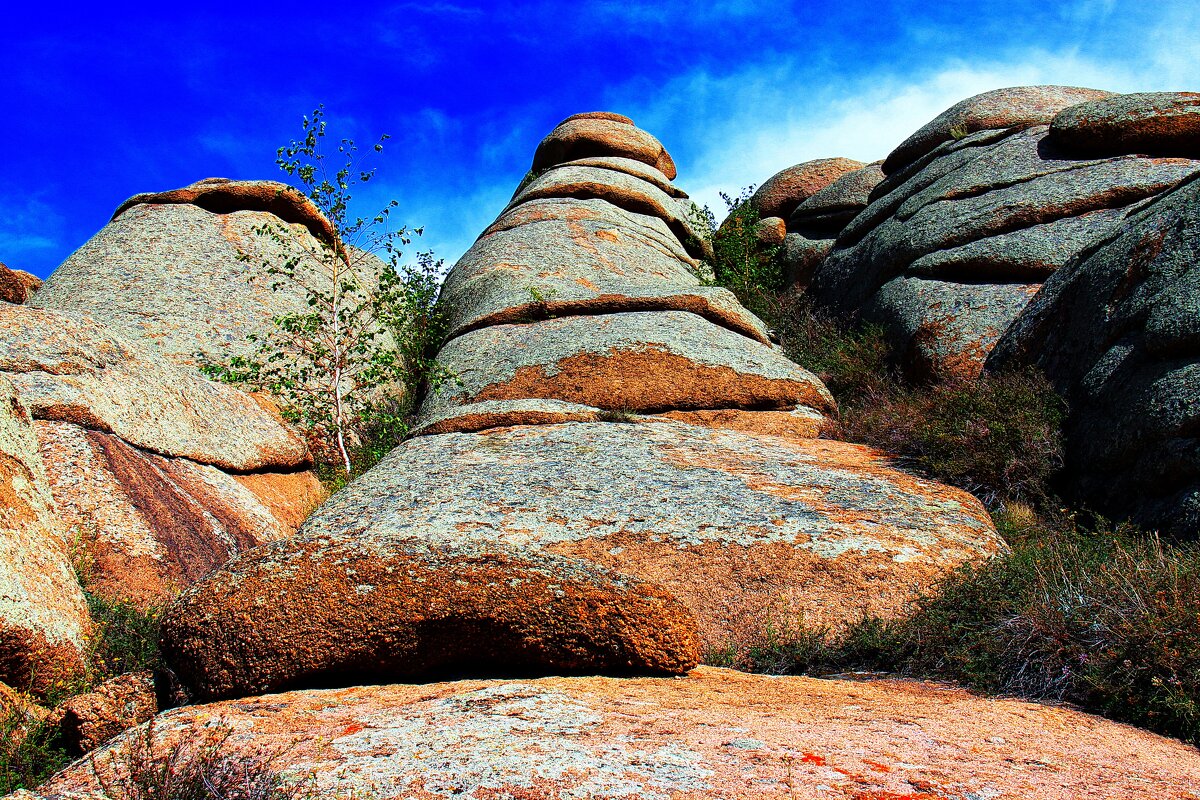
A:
[612,417]
[625,475]
[1043,226]
[978,208]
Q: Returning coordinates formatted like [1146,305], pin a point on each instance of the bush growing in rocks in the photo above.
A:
[1102,618]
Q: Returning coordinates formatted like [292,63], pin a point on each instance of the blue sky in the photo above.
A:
[107,100]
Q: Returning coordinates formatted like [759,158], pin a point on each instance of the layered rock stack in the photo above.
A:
[984,203]
[617,430]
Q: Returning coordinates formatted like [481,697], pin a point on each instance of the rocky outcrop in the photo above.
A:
[91,719]
[601,134]
[182,272]
[1013,108]
[782,192]
[712,734]
[17,286]
[1158,123]
[965,227]
[43,616]
[1117,332]
[667,472]
[161,474]
[815,223]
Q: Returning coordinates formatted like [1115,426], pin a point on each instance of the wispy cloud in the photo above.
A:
[29,227]
[739,128]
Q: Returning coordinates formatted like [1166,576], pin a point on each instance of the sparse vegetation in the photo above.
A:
[351,367]
[1105,618]
[740,262]
[1079,610]
[29,750]
[193,769]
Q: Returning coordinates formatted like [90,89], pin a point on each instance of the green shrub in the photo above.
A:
[124,638]
[29,751]
[1108,620]
[997,436]
[740,263]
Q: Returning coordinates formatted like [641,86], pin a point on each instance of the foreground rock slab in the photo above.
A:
[747,530]
[384,605]
[712,734]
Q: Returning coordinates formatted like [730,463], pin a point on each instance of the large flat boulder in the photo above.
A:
[747,529]
[44,618]
[604,136]
[1117,332]
[993,209]
[1013,107]
[713,734]
[384,605]
[183,273]
[70,369]
[1160,123]
[562,257]
[638,361]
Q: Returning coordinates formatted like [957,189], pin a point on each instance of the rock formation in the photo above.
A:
[613,422]
[182,272]
[160,474]
[17,286]
[815,223]
[712,734]
[43,616]
[978,208]
[1117,332]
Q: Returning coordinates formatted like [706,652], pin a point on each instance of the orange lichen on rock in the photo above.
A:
[318,610]
[714,734]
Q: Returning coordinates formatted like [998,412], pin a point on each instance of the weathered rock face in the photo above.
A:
[1158,123]
[1117,331]
[182,271]
[388,604]
[713,734]
[91,719]
[726,511]
[563,256]
[17,286]
[782,192]
[1012,108]
[43,616]
[70,369]
[746,529]
[956,239]
[153,524]
[139,452]
[641,362]
[815,223]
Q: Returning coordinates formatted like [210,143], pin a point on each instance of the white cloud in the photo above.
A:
[733,130]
